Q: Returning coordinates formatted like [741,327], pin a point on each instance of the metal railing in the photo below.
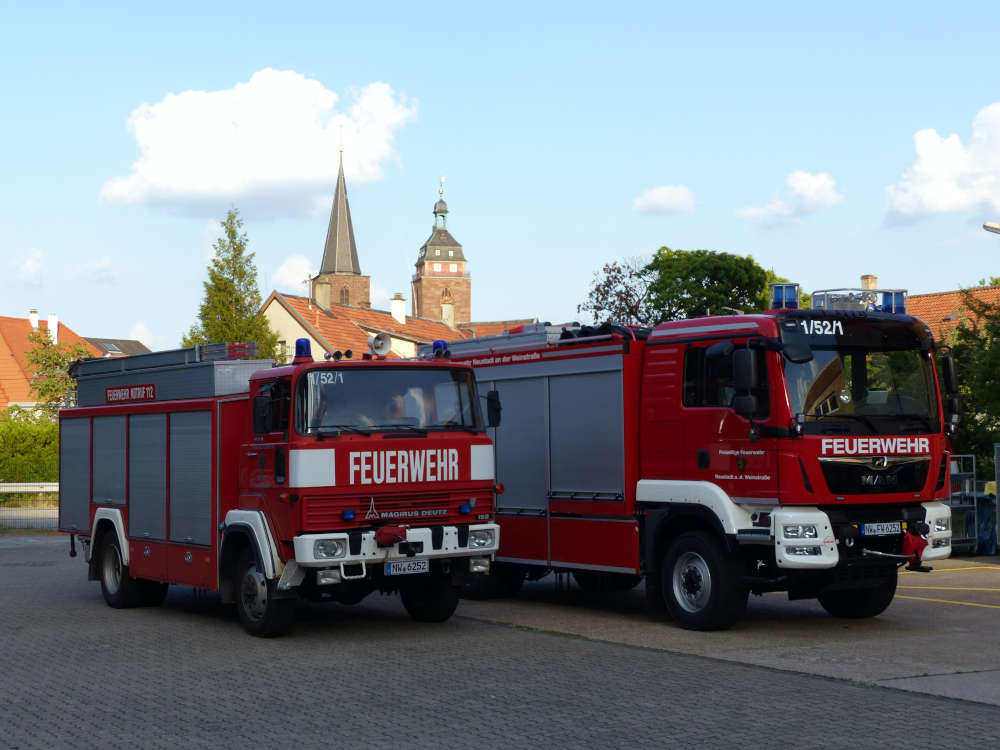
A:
[23,515]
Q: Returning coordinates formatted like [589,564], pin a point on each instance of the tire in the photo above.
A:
[153,593]
[599,582]
[860,603]
[259,612]
[701,583]
[431,600]
[120,589]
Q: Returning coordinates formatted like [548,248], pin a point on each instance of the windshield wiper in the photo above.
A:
[335,429]
[400,426]
[858,417]
[922,418]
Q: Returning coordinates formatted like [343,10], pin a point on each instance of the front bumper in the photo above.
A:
[368,551]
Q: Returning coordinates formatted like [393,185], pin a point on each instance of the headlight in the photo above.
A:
[942,524]
[812,551]
[481,538]
[327,549]
[800,531]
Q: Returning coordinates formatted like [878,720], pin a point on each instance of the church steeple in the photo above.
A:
[340,255]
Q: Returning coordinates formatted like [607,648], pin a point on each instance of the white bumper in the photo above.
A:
[938,542]
[808,554]
[370,552]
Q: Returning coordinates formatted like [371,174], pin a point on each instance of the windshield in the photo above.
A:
[861,390]
[355,399]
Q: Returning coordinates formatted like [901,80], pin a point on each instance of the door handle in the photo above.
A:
[703,459]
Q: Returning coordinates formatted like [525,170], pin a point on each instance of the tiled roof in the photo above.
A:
[15,374]
[493,327]
[118,347]
[943,311]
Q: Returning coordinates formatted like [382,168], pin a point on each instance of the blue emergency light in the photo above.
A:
[440,348]
[348,514]
[303,352]
[784,296]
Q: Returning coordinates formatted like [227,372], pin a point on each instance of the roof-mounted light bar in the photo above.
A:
[783,295]
[866,300]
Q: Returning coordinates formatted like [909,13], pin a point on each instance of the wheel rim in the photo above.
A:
[112,569]
[253,593]
[692,582]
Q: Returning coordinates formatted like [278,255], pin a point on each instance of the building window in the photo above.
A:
[451,253]
[438,251]
[453,267]
[283,349]
[437,266]
[345,296]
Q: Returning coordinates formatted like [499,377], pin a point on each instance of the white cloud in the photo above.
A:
[948,176]
[666,199]
[100,271]
[26,268]
[381,299]
[292,274]
[140,332]
[273,139]
[809,193]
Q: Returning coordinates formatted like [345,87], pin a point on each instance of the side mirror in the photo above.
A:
[261,414]
[720,350]
[493,408]
[797,354]
[950,374]
[745,370]
[745,406]
[955,408]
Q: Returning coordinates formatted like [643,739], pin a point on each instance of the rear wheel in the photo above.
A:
[599,582]
[120,589]
[701,583]
[860,603]
[260,613]
[432,600]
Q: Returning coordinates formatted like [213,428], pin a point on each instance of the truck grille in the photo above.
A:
[327,513]
[875,474]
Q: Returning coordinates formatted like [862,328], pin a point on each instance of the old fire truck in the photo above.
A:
[329,479]
[796,450]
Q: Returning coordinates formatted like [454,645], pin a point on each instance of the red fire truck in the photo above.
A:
[329,480]
[795,450]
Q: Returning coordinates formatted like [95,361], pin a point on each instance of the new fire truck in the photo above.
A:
[328,479]
[796,450]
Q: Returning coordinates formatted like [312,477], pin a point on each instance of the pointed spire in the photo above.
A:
[340,255]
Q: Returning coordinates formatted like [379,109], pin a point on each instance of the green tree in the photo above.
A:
[689,283]
[48,363]
[620,294]
[976,346]
[29,448]
[230,310]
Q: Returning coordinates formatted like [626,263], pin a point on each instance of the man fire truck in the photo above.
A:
[326,479]
[795,450]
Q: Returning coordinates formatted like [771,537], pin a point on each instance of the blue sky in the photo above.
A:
[826,143]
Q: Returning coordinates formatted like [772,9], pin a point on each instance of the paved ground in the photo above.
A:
[509,674]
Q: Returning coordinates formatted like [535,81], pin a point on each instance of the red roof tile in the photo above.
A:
[943,311]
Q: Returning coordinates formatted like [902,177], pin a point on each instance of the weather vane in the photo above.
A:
[441,188]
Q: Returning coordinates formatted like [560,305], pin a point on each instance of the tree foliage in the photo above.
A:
[620,293]
[29,447]
[230,309]
[976,346]
[690,283]
[48,363]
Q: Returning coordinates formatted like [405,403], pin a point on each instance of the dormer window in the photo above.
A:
[438,251]
[451,253]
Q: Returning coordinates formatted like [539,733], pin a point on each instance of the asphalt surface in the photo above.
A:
[552,669]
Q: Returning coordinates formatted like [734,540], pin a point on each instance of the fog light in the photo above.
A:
[327,549]
[942,524]
[803,551]
[800,531]
[479,565]
[327,577]
[481,538]
[941,543]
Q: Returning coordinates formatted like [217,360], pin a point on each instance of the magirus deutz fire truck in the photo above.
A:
[796,450]
[328,480]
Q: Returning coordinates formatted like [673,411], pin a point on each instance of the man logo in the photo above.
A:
[879,462]
[372,514]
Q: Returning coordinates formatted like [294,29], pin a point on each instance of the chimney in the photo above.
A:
[54,328]
[448,311]
[399,308]
[869,281]
[33,318]
[322,291]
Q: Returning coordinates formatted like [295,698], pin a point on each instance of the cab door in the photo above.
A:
[737,453]
[265,457]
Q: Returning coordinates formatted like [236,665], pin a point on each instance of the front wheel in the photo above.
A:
[260,613]
[431,600]
[860,603]
[701,583]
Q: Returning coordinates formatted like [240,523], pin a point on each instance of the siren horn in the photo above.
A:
[380,344]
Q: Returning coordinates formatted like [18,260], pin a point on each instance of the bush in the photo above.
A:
[29,449]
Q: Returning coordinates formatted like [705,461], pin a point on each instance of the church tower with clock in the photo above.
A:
[442,289]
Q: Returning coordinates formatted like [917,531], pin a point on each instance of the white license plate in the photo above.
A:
[885,528]
[406,567]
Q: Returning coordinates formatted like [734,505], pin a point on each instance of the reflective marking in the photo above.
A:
[949,570]
[704,329]
[949,601]
[949,588]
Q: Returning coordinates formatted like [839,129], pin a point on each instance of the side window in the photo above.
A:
[708,381]
[279,402]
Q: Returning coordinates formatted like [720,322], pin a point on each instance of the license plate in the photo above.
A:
[406,567]
[885,528]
